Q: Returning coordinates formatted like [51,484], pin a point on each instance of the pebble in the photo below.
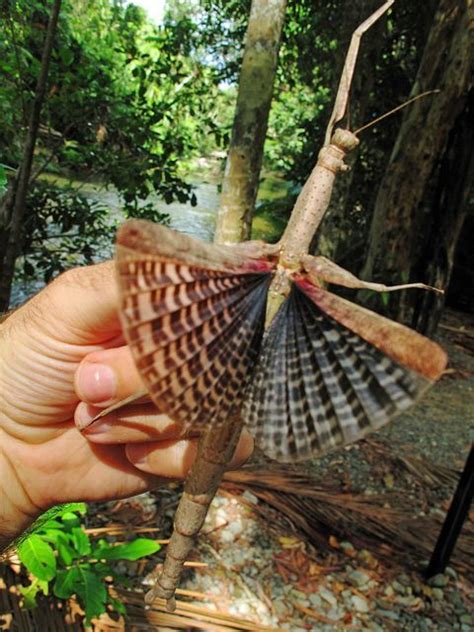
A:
[398,587]
[450,572]
[360,604]
[226,536]
[388,614]
[358,578]
[409,602]
[404,579]
[298,595]
[235,527]
[347,547]
[280,607]
[438,581]
[336,614]
[456,599]
[328,596]
[368,559]
[438,593]
[315,601]
[244,608]
[250,497]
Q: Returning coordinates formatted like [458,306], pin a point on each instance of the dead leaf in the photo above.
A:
[333,541]
[289,542]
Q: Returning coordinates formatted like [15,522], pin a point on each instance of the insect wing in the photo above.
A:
[321,384]
[193,316]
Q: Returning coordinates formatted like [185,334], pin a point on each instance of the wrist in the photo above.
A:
[16,510]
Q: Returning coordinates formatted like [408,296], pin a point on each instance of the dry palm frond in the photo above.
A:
[319,511]
[186,616]
[424,471]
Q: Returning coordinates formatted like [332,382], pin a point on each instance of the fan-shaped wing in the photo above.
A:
[193,315]
[326,378]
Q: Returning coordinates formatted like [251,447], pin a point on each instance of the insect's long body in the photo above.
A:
[306,216]
[247,334]
[227,335]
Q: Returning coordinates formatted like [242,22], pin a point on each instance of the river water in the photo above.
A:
[198,221]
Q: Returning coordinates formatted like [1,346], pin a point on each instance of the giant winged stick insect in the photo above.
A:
[226,335]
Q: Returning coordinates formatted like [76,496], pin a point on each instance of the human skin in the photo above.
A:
[62,359]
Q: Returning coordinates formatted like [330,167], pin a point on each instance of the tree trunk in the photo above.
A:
[244,160]
[401,221]
[450,201]
[14,208]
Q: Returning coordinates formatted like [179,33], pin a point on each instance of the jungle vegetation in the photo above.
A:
[131,104]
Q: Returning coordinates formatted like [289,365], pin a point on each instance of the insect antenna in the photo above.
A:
[399,107]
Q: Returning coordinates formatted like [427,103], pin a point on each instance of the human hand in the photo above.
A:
[63,346]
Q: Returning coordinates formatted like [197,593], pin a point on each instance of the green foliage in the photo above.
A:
[62,229]
[3,179]
[126,101]
[62,558]
[132,104]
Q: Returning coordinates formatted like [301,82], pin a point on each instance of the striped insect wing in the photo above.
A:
[193,315]
[322,384]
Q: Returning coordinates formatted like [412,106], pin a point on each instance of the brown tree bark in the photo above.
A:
[401,220]
[244,160]
[13,209]
[450,199]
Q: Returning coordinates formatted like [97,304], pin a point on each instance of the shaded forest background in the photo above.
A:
[134,105]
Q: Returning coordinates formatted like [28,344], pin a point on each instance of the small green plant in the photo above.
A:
[3,179]
[65,561]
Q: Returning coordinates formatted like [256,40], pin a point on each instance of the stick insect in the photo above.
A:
[227,335]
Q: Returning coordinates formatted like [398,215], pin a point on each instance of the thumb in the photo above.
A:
[82,305]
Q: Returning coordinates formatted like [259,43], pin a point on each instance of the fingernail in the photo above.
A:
[96,383]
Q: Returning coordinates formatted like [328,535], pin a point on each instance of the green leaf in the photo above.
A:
[141,547]
[50,524]
[50,517]
[44,586]
[65,583]
[38,557]
[70,519]
[81,541]
[385,298]
[3,179]
[29,595]
[91,592]
[67,56]
[66,552]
